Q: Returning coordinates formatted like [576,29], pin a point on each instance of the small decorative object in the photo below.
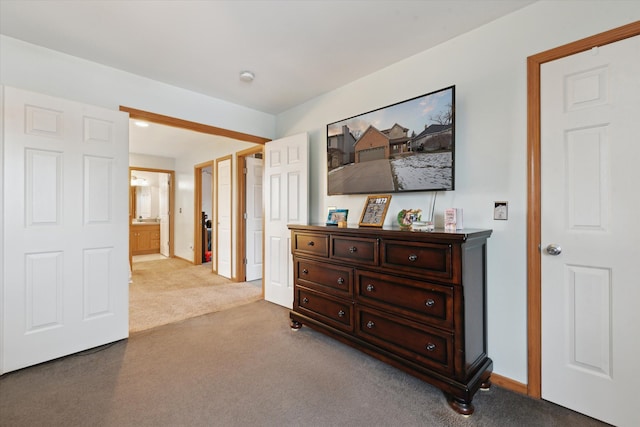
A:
[426,224]
[375,210]
[453,219]
[422,226]
[336,216]
[407,217]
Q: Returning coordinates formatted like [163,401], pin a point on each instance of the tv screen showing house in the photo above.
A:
[408,146]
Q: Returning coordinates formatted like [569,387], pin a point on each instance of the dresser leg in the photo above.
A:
[459,405]
[295,325]
[486,384]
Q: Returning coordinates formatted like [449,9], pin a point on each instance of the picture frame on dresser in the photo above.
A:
[335,216]
[375,210]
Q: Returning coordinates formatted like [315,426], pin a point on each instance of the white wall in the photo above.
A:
[27,66]
[488,67]
[152,162]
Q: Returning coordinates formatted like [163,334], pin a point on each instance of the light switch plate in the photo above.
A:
[500,210]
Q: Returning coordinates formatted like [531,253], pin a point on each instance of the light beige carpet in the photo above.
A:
[167,291]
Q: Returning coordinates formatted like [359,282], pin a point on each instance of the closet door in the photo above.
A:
[286,192]
[65,184]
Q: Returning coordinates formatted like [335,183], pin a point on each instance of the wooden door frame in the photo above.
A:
[534,190]
[241,229]
[136,114]
[197,211]
[172,194]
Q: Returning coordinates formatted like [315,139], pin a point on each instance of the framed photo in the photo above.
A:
[406,217]
[337,215]
[375,209]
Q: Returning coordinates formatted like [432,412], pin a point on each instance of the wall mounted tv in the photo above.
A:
[408,146]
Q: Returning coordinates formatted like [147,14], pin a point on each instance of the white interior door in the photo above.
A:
[164,185]
[65,228]
[286,202]
[223,203]
[254,218]
[590,289]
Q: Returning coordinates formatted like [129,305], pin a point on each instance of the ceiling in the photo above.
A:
[298,50]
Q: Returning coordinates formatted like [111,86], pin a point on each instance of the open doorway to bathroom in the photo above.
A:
[150,214]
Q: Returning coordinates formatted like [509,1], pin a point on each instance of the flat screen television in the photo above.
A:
[404,147]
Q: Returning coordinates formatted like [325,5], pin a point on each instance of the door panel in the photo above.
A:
[589,153]
[286,202]
[66,224]
[164,203]
[254,218]
[223,180]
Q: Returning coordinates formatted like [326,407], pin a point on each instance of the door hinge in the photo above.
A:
[244,171]
[244,261]
[244,215]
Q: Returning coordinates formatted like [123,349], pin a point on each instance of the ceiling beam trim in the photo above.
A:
[186,124]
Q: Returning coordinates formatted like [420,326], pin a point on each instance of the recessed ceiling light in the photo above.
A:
[141,124]
[247,76]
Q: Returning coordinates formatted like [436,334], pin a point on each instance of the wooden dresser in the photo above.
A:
[413,299]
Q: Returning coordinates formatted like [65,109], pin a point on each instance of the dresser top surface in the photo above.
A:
[397,232]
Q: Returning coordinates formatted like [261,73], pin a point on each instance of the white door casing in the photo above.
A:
[589,155]
[253,215]
[223,216]
[286,189]
[65,227]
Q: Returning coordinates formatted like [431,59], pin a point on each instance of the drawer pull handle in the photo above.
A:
[370,287]
[305,271]
[370,324]
[430,347]
[430,303]
[310,243]
[340,280]
[353,249]
[305,300]
[341,313]
[413,257]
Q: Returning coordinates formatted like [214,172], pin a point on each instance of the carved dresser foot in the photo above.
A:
[295,325]
[460,406]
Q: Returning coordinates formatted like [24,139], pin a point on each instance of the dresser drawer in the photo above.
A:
[355,249]
[433,260]
[423,301]
[324,277]
[310,244]
[327,309]
[430,347]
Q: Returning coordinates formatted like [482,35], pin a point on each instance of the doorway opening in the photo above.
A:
[151,206]
[250,219]
[181,264]
[203,232]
